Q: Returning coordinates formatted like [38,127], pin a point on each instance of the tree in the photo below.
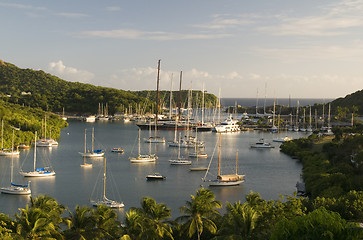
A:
[81,224]
[198,213]
[150,221]
[107,225]
[239,222]
[319,224]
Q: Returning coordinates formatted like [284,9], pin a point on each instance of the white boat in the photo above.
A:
[262,144]
[198,154]
[117,150]
[155,139]
[16,189]
[223,179]
[180,160]
[11,151]
[143,158]
[43,143]
[228,125]
[104,200]
[38,172]
[281,140]
[91,118]
[155,176]
[198,169]
[91,153]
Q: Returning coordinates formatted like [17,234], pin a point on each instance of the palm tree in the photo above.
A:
[132,227]
[151,220]
[34,223]
[107,225]
[81,224]
[198,213]
[239,221]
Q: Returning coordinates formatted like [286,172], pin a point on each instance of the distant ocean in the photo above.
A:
[293,102]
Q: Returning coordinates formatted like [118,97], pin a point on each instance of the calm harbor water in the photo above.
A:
[268,171]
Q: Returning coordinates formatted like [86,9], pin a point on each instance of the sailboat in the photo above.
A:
[38,172]
[105,200]
[7,152]
[156,138]
[92,153]
[16,189]
[180,160]
[309,129]
[225,180]
[143,158]
[197,153]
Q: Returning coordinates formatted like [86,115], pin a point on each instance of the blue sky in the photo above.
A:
[302,49]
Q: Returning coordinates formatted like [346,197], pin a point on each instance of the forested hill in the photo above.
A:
[354,99]
[35,88]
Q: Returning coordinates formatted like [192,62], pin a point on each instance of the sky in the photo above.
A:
[234,48]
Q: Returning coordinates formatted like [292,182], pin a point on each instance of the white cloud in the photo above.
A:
[333,20]
[70,73]
[148,35]
[113,8]
[72,15]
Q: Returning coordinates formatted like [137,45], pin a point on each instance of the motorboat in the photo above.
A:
[117,150]
[262,144]
[180,161]
[155,176]
[228,125]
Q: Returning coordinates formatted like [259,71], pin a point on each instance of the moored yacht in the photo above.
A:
[228,125]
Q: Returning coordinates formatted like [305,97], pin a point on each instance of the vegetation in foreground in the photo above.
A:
[290,218]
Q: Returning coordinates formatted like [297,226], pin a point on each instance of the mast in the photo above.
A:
[104,179]
[85,139]
[2,134]
[139,142]
[35,149]
[257,102]
[273,116]
[203,106]
[236,161]
[180,94]
[157,96]
[171,97]
[219,155]
[12,142]
[93,136]
[179,146]
[329,117]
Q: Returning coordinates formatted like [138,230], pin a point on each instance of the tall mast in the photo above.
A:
[35,149]
[219,155]
[236,161]
[203,106]
[93,136]
[2,134]
[139,142]
[180,93]
[104,179]
[157,95]
[171,96]
[85,140]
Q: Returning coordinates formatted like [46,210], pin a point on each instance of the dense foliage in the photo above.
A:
[39,89]
[291,218]
[27,120]
[331,167]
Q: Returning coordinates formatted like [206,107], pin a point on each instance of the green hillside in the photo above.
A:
[354,99]
[52,93]
[28,120]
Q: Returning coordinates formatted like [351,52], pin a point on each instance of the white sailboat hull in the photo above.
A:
[92,155]
[10,153]
[15,190]
[108,203]
[225,183]
[180,162]
[143,159]
[38,174]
